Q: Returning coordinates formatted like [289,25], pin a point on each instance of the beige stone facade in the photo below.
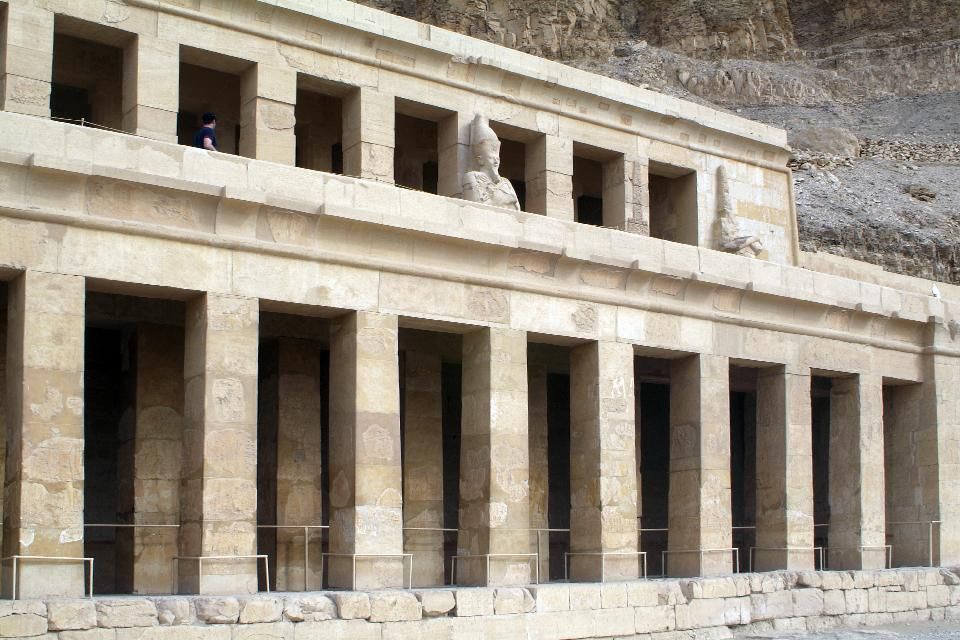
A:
[305,362]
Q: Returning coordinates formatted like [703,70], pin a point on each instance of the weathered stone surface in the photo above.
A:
[256,610]
[584,597]
[352,605]
[643,594]
[132,612]
[216,610]
[770,606]
[834,603]
[64,615]
[175,611]
[179,632]
[22,619]
[309,608]
[655,619]
[352,629]
[393,606]
[512,600]
[835,141]
[807,602]
[474,602]
[264,631]
[436,602]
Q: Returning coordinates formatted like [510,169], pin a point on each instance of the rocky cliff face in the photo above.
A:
[887,71]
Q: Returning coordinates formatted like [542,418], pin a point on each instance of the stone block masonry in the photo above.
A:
[652,610]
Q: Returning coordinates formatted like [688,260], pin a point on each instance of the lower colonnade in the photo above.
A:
[217,444]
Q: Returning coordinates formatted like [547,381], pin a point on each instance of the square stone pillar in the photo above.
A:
[299,490]
[538,438]
[700,518]
[494,461]
[453,133]
[218,493]
[784,470]
[43,493]
[368,134]
[603,466]
[549,174]
[268,99]
[27,62]
[151,87]
[423,466]
[624,192]
[911,473]
[366,504]
[940,415]
[857,492]
[150,460]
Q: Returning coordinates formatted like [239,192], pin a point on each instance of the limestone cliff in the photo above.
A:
[886,70]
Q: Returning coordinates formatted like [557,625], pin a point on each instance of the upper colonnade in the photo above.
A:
[312,296]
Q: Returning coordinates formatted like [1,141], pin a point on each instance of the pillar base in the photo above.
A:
[491,570]
[783,559]
[699,563]
[218,577]
[869,558]
[36,578]
[609,567]
[358,572]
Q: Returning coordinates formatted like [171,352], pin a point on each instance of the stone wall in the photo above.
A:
[649,610]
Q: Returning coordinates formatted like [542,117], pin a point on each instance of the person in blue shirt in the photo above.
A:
[206,138]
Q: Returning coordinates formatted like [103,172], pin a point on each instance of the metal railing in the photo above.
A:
[18,559]
[199,560]
[642,555]
[818,550]
[701,552]
[306,548]
[930,524]
[486,557]
[888,548]
[353,556]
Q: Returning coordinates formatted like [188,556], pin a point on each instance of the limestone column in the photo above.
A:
[3,405]
[549,172]
[151,88]
[423,466]
[268,99]
[494,461]
[43,492]
[299,490]
[368,134]
[700,518]
[453,133]
[366,519]
[603,467]
[941,413]
[856,534]
[624,193]
[27,61]
[218,492]
[538,438]
[153,439]
[784,470]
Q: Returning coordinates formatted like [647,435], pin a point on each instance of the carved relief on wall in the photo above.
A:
[732,237]
[483,182]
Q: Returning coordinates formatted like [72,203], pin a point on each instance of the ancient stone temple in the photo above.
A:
[444,339]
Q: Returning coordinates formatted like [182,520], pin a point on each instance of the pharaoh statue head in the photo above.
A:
[484,146]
